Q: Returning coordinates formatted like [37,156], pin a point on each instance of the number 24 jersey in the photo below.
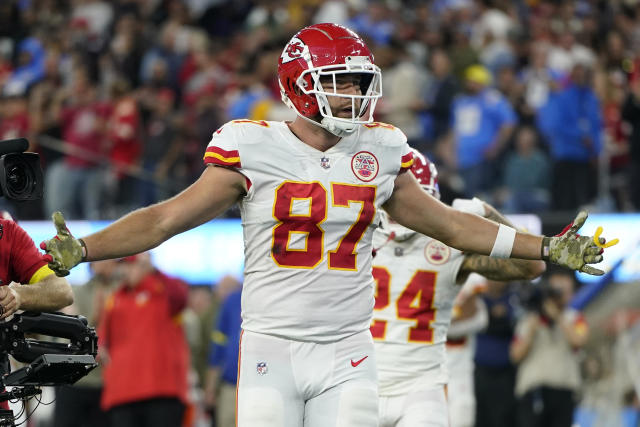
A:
[308,219]
[415,290]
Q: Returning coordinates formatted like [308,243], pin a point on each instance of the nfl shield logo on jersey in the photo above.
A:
[261,368]
[324,162]
[365,166]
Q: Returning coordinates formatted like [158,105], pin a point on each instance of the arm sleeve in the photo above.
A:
[27,265]
[177,292]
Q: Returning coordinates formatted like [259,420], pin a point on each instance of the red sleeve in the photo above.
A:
[406,162]
[218,156]
[175,290]
[103,323]
[26,259]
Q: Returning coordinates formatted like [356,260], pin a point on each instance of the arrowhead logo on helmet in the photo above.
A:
[294,50]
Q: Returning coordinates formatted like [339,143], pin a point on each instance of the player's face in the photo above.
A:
[346,84]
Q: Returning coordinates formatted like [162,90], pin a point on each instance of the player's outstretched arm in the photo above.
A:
[213,193]
[499,268]
[414,208]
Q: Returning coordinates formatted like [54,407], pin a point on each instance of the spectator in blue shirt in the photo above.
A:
[222,374]
[483,121]
[572,123]
[374,23]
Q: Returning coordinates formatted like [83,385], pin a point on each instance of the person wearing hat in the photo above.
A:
[482,123]
[143,349]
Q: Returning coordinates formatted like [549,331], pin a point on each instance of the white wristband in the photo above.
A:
[504,242]
[474,206]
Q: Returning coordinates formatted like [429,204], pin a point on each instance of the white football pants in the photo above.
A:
[285,383]
[462,400]
[419,408]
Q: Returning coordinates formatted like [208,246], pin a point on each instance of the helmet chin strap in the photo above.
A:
[337,128]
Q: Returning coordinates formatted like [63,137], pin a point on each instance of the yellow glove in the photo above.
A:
[63,252]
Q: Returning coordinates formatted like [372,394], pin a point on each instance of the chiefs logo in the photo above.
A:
[437,252]
[364,166]
[293,50]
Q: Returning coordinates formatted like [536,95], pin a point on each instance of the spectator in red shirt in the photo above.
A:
[74,184]
[124,141]
[143,348]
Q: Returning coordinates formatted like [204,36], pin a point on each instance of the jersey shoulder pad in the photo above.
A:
[384,134]
[223,149]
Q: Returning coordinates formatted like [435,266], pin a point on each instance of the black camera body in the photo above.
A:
[21,176]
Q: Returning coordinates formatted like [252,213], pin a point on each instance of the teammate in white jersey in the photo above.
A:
[417,279]
[309,191]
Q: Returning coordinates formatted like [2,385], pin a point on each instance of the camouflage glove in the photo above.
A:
[63,251]
[569,249]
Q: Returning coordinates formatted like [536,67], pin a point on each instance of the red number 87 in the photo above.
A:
[344,257]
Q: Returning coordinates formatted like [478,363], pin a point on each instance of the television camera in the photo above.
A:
[49,363]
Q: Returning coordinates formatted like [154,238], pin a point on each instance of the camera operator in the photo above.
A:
[27,282]
[31,284]
[545,345]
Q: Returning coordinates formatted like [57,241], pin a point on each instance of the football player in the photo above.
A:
[308,192]
[417,279]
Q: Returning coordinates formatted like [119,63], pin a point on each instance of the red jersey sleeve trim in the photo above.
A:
[218,156]
[406,162]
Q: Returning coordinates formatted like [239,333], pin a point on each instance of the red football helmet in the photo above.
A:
[328,50]
[426,173]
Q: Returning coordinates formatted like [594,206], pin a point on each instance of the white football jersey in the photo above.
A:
[308,220]
[415,289]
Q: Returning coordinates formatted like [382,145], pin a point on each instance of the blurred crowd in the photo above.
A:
[530,104]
